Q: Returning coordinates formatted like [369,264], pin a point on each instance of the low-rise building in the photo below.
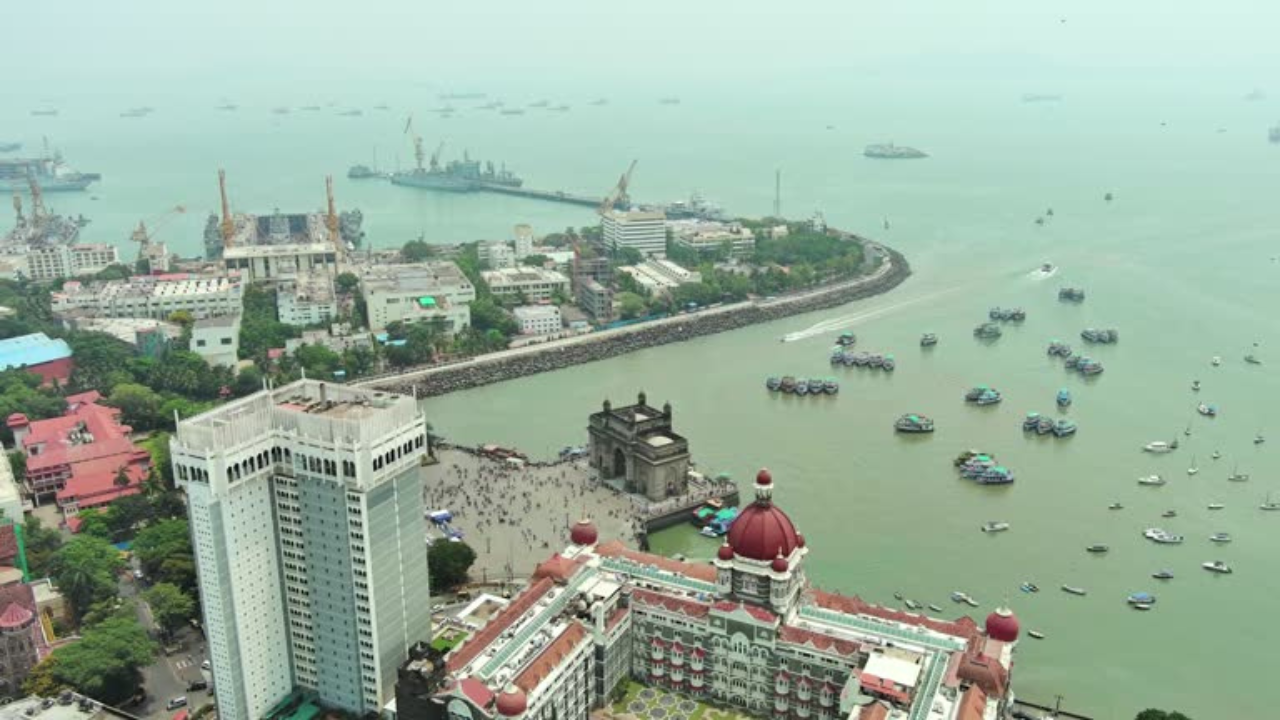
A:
[536,284]
[596,300]
[421,292]
[52,262]
[539,319]
[153,296]
[308,299]
[277,262]
[709,237]
[217,340]
[660,276]
[37,353]
[643,230]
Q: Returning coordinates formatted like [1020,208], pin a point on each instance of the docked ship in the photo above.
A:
[465,175]
[1274,134]
[889,151]
[49,171]
[10,146]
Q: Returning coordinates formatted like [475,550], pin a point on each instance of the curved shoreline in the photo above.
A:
[559,354]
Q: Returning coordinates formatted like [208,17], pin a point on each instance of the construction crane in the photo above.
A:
[618,195]
[331,218]
[17,206]
[228,226]
[435,156]
[37,198]
[143,236]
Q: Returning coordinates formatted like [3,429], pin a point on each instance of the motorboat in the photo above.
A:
[1047,269]
[928,340]
[898,596]
[1195,386]
[1154,480]
[1217,566]
[1160,446]
[773,383]
[1215,361]
[1044,425]
[888,363]
[1036,634]
[1252,359]
[1220,537]
[1029,587]
[1207,410]
[1140,606]
[1216,506]
[1064,428]
[1141,598]
[913,423]
[994,526]
[1097,549]
[1115,506]
[1236,475]
[1215,455]
[1193,468]
[846,339]
[1162,575]
[1064,398]
[1169,514]
[971,602]
[1031,421]
[1073,590]
[1163,537]
[1187,432]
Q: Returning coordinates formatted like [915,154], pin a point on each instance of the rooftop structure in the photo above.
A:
[307,521]
[536,284]
[37,353]
[636,445]
[153,296]
[420,292]
[643,230]
[660,276]
[83,459]
[709,237]
[75,707]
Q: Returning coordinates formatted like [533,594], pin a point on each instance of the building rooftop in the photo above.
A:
[36,708]
[518,275]
[426,278]
[34,349]
[220,321]
[537,312]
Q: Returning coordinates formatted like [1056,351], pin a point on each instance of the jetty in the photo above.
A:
[559,196]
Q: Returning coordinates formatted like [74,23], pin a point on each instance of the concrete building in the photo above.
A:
[745,630]
[153,296]
[308,299]
[596,300]
[636,446]
[497,254]
[217,340]
[37,353]
[644,230]
[307,521]
[422,292]
[523,241]
[52,262]
[708,237]
[539,319]
[279,262]
[537,284]
[659,276]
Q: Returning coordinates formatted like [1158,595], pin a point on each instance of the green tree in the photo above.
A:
[628,256]
[164,550]
[139,405]
[43,681]
[170,606]
[416,251]
[85,570]
[106,662]
[535,260]
[93,523]
[17,464]
[347,282]
[448,563]
[101,361]
[42,544]
[260,326]
[630,305]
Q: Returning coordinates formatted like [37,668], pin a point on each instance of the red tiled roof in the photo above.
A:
[15,616]
[94,482]
[476,644]
[550,659]
[20,594]
[984,672]
[754,611]
[558,568]
[800,636]
[8,544]
[883,686]
[476,691]
[963,627]
[973,704]
[673,603]
[617,616]
[698,571]
[103,423]
[874,711]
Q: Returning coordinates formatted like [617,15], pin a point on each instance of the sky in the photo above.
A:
[190,46]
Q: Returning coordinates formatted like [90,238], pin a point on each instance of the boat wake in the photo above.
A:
[845,321]
[1042,274]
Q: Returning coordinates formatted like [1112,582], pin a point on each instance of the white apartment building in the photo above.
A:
[644,230]
[524,241]
[307,300]
[307,521]
[659,276]
[62,261]
[420,292]
[539,319]
[498,255]
[707,237]
[153,296]
[217,339]
[537,284]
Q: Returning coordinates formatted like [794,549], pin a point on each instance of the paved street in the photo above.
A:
[170,675]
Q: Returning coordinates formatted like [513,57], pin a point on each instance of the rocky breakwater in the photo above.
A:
[510,364]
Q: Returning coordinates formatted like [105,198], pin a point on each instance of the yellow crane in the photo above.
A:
[228,225]
[618,195]
[143,236]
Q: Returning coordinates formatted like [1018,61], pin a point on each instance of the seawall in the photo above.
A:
[529,360]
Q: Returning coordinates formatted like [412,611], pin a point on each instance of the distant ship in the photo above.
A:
[1040,97]
[669,101]
[465,175]
[1274,134]
[462,96]
[893,152]
[49,112]
[50,172]
[10,146]
[228,107]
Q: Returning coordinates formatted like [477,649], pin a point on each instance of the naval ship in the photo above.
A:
[49,171]
[893,152]
[465,175]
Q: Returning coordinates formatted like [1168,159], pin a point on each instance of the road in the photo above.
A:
[170,675]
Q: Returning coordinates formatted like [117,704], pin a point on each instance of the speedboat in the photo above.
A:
[1207,410]
[928,340]
[1036,634]
[1155,480]
[913,423]
[1169,514]
[1115,506]
[1220,537]
[994,526]
[1097,549]
[1160,446]
[1030,587]
[1141,598]
[1162,575]
[1073,590]
[1216,506]
[1064,398]
[1217,566]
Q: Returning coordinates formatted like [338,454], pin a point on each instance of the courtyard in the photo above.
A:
[649,703]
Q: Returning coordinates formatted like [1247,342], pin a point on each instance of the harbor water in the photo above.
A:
[1183,262]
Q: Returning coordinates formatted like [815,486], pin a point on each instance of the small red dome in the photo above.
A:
[763,477]
[584,533]
[512,702]
[17,420]
[780,564]
[763,532]
[799,539]
[1002,625]
[725,552]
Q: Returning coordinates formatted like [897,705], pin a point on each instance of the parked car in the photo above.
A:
[175,703]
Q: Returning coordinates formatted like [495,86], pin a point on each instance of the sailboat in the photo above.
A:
[1236,475]
[1270,504]
[1193,469]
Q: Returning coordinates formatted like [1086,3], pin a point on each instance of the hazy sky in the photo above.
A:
[184,42]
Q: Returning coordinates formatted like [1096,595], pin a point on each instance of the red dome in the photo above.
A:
[725,552]
[763,477]
[800,539]
[780,564]
[512,702]
[763,532]
[583,533]
[1002,625]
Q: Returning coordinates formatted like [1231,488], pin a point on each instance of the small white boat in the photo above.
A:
[1193,469]
[1160,447]
[1155,480]
[1216,506]
[1216,455]
[1215,361]
[1217,566]
[1036,634]
[994,526]
[1220,537]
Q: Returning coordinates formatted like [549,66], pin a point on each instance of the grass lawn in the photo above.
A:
[448,639]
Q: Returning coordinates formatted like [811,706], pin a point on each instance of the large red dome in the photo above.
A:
[584,533]
[512,702]
[763,532]
[1002,625]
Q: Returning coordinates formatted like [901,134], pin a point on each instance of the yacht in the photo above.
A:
[1217,566]
[994,526]
[1207,410]
[1216,506]
[1220,537]
[1073,590]
[1269,504]
[1236,475]
[1151,480]
[1160,446]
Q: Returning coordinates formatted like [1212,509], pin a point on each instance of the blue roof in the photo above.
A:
[34,349]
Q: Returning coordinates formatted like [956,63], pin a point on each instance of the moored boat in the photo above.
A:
[1058,349]
[846,339]
[1073,590]
[1155,480]
[990,397]
[1141,598]
[1163,575]
[773,383]
[1220,537]
[994,526]
[928,340]
[1029,587]
[913,423]
[1160,446]
[1071,294]
[1098,549]
[1064,398]
[1036,634]
[830,386]
[1217,566]
[788,384]
[987,331]
[960,597]
[1031,421]
[1044,425]
[888,363]
[998,475]
[1064,428]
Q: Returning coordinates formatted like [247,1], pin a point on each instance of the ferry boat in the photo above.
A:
[1217,566]
[1064,398]
[1207,410]
[1220,537]
[1154,480]
[1064,428]
[773,383]
[1160,447]
[846,339]
[1073,590]
[994,527]
[928,340]
[913,423]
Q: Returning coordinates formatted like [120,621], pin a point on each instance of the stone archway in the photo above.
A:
[619,463]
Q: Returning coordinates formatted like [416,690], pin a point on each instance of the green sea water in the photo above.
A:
[1182,263]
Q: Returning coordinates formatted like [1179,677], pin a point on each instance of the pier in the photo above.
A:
[547,195]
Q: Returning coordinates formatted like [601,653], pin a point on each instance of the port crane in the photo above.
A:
[143,236]
[618,195]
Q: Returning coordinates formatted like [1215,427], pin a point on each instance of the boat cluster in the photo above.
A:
[982,468]
[983,395]
[803,386]
[1101,336]
[876,361]
[1000,314]
[713,519]
[1162,537]
[987,331]
[913,423]
[1071,294]
[1083,364]
[1043,425]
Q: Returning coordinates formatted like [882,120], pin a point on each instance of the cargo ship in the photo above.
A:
[890,151]
[49,171]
